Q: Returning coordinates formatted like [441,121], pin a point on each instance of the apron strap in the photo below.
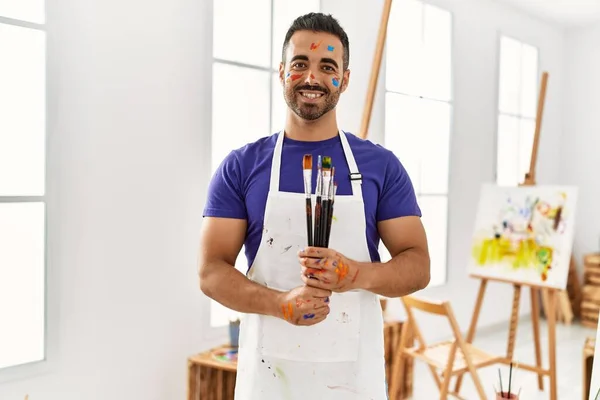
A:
[355,175]
[276,163]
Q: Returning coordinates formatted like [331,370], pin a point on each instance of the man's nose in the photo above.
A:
[311,78]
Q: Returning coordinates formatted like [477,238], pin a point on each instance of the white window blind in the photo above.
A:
[22,181]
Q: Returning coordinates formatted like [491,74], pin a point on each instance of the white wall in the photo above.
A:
[477,26]
[128,163]
[581,141]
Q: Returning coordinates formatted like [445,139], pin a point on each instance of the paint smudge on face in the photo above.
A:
[312,76]
[330,48]
[315,46]
[288,311]
[335,82]
[342,270]
[309,316]
[286,249]
[291,78]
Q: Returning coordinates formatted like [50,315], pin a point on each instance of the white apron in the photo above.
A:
[340,358]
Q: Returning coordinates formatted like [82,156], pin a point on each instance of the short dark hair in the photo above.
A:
[319,22]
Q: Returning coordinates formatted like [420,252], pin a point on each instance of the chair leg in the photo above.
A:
[448,373]
[396,374]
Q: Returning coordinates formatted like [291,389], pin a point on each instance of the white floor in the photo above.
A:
[569,360]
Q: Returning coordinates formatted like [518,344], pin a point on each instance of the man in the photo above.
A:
[312,324]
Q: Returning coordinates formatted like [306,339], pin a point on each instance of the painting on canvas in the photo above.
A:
[524,234]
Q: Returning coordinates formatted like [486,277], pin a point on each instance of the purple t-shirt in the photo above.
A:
[240,185]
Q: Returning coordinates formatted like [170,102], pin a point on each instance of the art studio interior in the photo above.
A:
[125,124]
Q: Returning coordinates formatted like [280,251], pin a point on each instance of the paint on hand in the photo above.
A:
[342,270]
[330,48]
[355,275]
[309,316]
[336,82]
[299,302]
[288,311]
[315,46]
[327,299]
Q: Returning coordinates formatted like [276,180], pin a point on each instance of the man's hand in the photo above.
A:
[304,305]
[327,269]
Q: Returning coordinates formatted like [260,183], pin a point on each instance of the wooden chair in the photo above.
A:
[453,357]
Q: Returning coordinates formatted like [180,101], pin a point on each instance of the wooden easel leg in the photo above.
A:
[514,323]
[552,341]
[471,333]
[535,323]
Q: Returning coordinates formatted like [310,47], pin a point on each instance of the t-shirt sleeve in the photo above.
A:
[225,198]
[398,198]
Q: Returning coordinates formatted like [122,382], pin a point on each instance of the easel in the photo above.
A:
[385,16]
[550,295]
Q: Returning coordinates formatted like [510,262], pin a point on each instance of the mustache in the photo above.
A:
[313,88]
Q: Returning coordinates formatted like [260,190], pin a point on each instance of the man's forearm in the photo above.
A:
[228,286]
[404,274]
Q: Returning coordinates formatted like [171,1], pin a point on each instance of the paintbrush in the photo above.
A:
[509,379]
[332,189]
[318,203]
[307,170]
[500,376]
[326,168]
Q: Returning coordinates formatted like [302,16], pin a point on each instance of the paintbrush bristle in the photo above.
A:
[326,162]
[307,161]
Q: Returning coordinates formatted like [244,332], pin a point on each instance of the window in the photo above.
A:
[246,56]
[418,110]
[516,111]
[22,181]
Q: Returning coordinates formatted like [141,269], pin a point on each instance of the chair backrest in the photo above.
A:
[442,308]
[426,305]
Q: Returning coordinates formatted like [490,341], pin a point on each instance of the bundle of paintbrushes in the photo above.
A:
[324,201]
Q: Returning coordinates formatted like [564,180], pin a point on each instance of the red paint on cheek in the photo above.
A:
[297,76]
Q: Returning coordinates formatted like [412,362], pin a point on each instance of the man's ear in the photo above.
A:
[346,80]
[281,72]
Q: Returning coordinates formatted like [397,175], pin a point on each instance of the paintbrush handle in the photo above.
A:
[329,220]
[318,212]
[324,219]
[309,228]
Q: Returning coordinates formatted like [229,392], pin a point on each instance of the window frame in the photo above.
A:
[450,102]
[49,357]
[501,34]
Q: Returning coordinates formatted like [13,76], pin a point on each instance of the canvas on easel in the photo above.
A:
[524,234]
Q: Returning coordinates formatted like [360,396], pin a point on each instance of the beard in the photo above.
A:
[310,111]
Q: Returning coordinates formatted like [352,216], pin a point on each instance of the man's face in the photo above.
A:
[312,76]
